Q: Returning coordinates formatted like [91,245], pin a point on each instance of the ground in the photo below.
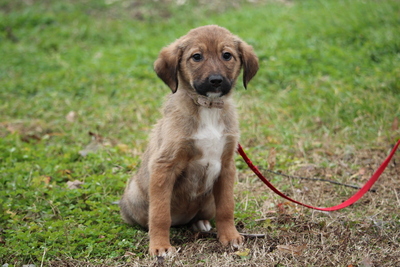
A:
[79,96]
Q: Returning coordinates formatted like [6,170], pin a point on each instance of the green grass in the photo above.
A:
[327,94]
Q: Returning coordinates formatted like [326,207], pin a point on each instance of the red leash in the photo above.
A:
[346,203]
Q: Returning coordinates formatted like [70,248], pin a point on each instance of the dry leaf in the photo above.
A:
[66,173]
[99,142]
[296,250]
[46,179]
[96,136]
[272,158]
[282,207]
[74,184]
[243,253]
[90,148]
[12,214]
[71,116]
[361,172]
[93,146]
[40,180]
[129,254]
[123,148]
[395,124]
[271,140]
[367,262]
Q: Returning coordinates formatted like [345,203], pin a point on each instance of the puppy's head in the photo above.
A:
[208,59]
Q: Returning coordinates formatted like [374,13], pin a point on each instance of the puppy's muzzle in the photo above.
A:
[213,85]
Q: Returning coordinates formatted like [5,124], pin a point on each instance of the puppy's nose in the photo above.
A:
[215,80]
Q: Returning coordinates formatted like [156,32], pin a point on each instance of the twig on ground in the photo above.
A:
[316,179]
[204,234]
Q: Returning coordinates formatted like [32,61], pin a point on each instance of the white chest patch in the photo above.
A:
[211,141]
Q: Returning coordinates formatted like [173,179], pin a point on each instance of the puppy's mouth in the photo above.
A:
[213,86]
[214,95]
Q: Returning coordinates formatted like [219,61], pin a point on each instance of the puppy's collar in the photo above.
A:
[208,102]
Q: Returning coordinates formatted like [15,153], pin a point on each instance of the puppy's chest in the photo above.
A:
[210,140]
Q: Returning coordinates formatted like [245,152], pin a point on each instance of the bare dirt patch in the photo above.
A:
[365,234]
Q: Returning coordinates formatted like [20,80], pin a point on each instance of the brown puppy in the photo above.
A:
[188,170]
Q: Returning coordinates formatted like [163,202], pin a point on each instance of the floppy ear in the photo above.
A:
[166,66]
[249,62]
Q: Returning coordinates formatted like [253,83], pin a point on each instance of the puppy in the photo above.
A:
[188,170]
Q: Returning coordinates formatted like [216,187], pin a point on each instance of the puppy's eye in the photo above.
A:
[197,57]
[227,56]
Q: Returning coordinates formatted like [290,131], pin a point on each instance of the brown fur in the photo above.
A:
[170,188]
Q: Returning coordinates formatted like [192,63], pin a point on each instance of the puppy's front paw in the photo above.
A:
[162,250]
[232,238]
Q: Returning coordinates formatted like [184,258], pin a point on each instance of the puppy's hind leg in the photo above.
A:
[201,226]
[201,222]
[134,205]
